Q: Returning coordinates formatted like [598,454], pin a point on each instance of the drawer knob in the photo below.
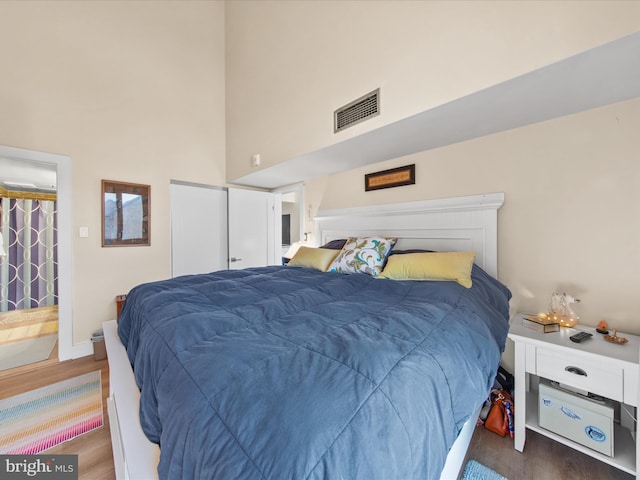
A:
[576,370]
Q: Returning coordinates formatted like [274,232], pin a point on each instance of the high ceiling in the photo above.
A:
[597,77]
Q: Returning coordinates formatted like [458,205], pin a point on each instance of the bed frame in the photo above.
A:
[453,224]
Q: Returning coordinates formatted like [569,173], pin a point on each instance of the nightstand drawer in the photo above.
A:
[585,375]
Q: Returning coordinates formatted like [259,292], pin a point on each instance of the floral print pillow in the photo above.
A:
[363,254]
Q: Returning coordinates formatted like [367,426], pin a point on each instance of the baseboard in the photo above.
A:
[83,349]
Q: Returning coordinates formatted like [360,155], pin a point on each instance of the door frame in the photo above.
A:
[299,189]
[66,349]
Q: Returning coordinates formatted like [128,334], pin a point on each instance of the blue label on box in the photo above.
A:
[594,433]
[570,413]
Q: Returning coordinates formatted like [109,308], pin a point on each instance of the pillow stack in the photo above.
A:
[371,255]
[358,255]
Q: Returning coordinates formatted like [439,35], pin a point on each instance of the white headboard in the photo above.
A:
[449,224]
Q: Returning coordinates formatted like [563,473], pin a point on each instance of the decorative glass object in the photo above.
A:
[561,311]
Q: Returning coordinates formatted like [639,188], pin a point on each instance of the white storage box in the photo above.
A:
[585,421]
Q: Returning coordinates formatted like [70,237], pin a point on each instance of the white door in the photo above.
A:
[255,228]
[198,228]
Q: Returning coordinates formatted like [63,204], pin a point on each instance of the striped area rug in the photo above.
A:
[40,419]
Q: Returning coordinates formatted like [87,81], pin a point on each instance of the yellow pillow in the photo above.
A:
[318,258]
[431,266]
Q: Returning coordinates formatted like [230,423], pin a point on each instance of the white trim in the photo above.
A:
[65,249]
[82,349]
[487,201]
[199,185]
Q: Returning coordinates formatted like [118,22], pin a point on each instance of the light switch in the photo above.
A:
[83,232]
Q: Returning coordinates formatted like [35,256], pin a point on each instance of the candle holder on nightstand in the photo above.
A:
[560,310]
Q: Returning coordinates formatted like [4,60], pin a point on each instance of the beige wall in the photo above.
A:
[571,217]
[291,64]
[131,91]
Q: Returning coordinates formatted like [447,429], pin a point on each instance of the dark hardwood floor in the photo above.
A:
[543,459]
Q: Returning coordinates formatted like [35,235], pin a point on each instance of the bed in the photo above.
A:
[290,372]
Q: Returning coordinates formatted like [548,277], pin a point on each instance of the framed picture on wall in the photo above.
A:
[126,214]
[394,177]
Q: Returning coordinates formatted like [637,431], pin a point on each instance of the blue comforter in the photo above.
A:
[291,373]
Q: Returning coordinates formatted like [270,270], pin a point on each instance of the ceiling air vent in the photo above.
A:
[357,111]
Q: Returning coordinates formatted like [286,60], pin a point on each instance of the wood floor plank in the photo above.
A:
[542,459]
[41,314]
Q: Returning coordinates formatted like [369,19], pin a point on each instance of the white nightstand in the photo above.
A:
[599,367]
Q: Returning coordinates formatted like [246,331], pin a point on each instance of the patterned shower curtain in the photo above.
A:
[29,273]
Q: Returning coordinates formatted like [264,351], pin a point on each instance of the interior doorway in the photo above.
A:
[31,269]
[293,219]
